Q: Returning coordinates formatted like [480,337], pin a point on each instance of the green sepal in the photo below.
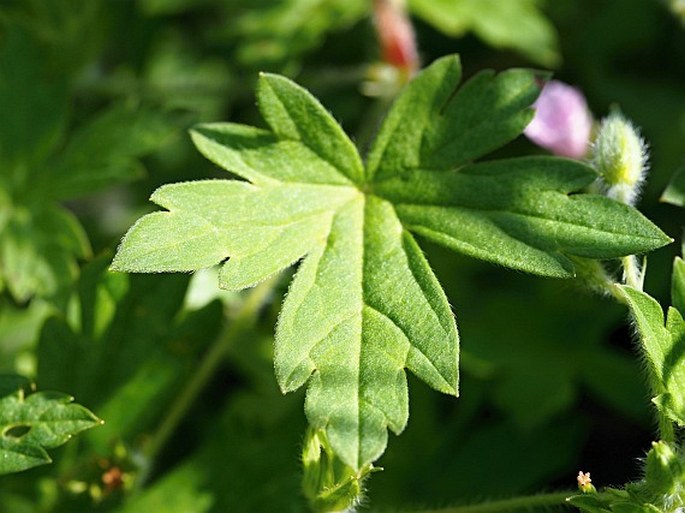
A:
[327,482]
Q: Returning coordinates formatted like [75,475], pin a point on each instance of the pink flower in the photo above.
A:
[562,121]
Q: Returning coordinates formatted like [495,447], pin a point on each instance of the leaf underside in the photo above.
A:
[364,303]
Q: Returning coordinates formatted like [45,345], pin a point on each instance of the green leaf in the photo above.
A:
[675,192]
[518,213]
[166,7]
[516,24]
[127,350]
[434,125]
[180,491]
[294,114]
[664,345]
[364,303]
[678,285]
[33,104]
[40,421]
[188,80]
[103,151]
[268,34]
[38,251]
[388,313]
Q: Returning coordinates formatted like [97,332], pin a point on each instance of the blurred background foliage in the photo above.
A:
[95,100]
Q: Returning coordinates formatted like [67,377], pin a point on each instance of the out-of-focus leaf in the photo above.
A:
[250,442]
[40,421]
[516,24]
[269,32]
[41,242]
[12,383]
[675,192]
[167,7]
[72,32]
[103,151]
[178,79]
[126,349]
[38,251]
[180,491]
[19,329]
[33,105]
[515,461]
[552,358]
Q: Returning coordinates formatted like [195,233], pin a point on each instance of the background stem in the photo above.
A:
[513,504]
[242,321]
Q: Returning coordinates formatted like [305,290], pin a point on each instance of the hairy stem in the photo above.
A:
[514,504]
[242,321]
[632,275]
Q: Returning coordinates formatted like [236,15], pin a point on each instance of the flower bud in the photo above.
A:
[329,484]
[562,121]
[663,470]
[620,156]
[396,35]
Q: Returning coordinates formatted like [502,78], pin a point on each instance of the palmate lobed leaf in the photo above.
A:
[364,303]
[31,424]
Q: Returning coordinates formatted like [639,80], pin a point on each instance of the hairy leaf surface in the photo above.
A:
[364,304]
[664,343]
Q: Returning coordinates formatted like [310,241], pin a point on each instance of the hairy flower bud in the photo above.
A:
[620,156]
[328,484]
[562,121]
[664,473]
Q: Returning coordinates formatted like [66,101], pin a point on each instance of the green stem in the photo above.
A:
[666,429]
[243,320]
[513,504]
[631,272]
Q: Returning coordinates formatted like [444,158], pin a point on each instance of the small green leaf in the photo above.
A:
[664,344]
[40,421]
[675,192]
